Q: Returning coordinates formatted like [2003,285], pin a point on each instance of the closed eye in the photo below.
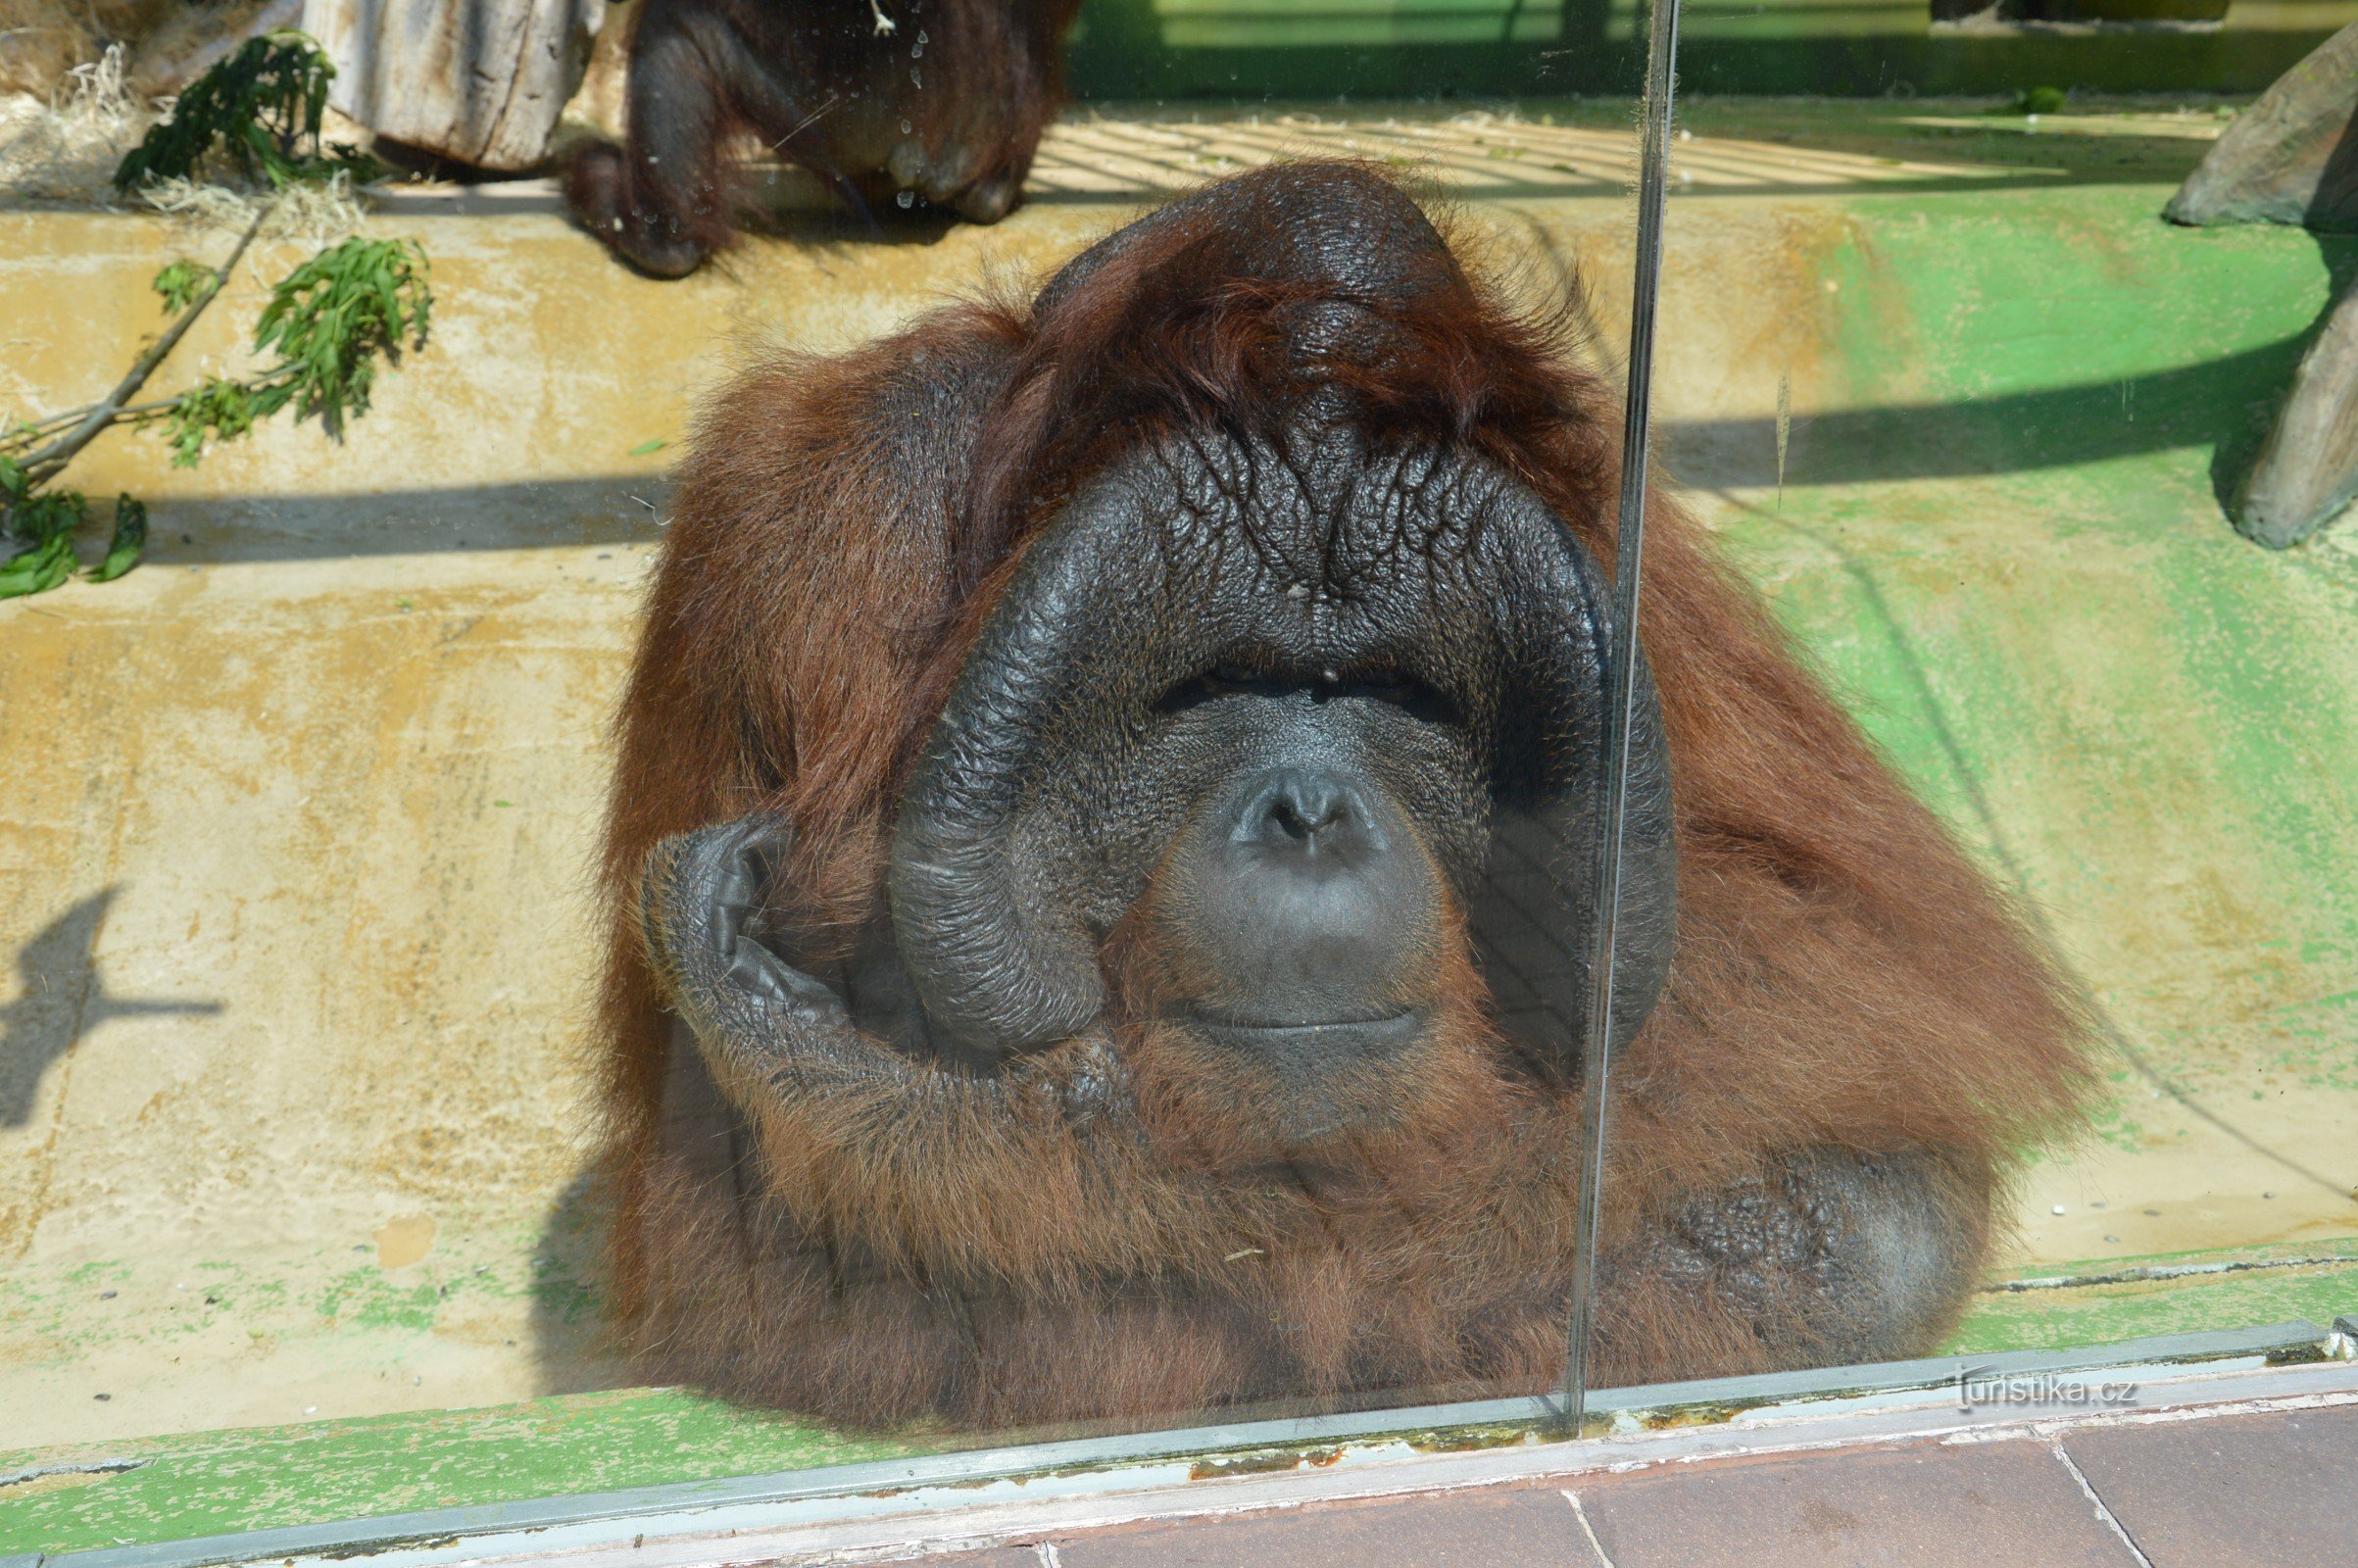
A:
[1403,691]
[1222,680]
[1373,683]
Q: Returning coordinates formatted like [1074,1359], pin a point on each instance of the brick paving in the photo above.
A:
[2279,1487]
[1921,1503]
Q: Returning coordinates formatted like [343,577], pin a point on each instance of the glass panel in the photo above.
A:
[649,907]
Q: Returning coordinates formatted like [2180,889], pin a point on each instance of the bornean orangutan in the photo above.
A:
[893,100]
[1100,874]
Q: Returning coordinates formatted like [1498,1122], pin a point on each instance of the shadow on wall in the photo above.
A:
[531,514]
[59,998]
[2225,404]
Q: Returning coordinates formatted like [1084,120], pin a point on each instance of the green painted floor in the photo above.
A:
[2016,399]
[196,1483]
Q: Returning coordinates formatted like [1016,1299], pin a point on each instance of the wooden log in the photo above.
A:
[479,82]
[2308,470]
[2292,155]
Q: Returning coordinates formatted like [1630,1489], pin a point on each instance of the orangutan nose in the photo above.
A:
[1306,895]
[1310,813]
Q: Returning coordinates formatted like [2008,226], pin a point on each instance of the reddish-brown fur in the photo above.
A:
[1842,977]
[947,104]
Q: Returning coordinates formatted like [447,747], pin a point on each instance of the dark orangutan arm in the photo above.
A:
[915,1157]
[805,558]
[1827,1256]
[772,1031]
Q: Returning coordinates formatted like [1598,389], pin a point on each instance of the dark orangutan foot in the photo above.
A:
[596,189]
[988,201]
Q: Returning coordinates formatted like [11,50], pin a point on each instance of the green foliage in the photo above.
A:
[40,568]
[258,111]
[43,521]
[335,316]
[328,326]
[23,510]
[330,321]
[130,542]
[2041,101]
[215,409]
[183,282]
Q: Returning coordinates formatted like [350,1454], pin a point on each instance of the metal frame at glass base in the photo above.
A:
[914,1487]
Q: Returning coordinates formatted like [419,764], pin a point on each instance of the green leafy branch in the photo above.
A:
[259,112]
[329,327]
[46,522]
[330,321]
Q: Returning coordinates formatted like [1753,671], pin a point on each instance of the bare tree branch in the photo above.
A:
[44,464]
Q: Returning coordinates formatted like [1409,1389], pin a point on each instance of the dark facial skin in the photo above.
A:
[1302,893]
[1296,809]
[1307,681]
